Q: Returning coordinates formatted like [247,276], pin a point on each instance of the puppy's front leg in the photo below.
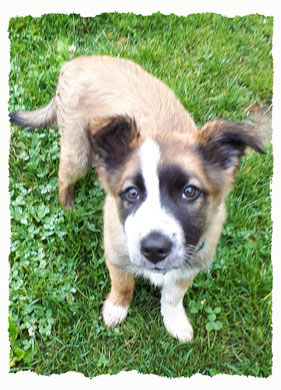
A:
[116,305]
[174,316]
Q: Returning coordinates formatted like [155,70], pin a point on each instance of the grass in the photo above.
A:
[218,67]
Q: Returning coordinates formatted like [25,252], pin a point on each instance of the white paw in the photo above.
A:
[176,322]
[113,314]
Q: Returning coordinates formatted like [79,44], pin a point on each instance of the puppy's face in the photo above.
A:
[167,189]
[162,207]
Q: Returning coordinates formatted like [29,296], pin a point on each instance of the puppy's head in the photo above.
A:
[168,188]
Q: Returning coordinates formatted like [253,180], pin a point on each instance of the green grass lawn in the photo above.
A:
[218,67]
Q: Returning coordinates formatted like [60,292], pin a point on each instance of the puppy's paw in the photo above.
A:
[66,196]
[177,323]
[113,314]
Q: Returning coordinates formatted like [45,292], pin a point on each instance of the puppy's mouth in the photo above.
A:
[162,270]
[187,259]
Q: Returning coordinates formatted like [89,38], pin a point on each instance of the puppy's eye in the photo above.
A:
[190,193]
[132,194]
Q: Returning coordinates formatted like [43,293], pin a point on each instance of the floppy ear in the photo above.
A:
[112,139]
[223,143]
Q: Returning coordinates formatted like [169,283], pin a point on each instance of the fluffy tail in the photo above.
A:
[42,117]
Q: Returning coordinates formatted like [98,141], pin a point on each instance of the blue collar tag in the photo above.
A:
[202,246]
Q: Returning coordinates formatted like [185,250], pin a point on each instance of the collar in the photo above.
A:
[202,246]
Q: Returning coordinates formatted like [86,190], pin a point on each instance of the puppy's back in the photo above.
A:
[102,86]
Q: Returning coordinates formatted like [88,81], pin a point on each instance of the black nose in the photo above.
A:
[156,247]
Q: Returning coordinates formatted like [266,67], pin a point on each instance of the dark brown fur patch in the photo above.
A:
[222,142]
[113,141]
[181,151]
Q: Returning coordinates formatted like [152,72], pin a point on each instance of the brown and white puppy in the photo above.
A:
[166,180]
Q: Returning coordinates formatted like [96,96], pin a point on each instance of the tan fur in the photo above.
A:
[122,286]
[126,90]
[92,94]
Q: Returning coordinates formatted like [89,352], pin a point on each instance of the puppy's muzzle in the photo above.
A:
[155,247]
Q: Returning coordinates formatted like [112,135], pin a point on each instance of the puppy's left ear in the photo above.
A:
[223,143]
[112,139]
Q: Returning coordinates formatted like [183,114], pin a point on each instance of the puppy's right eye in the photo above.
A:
[190,193]
[131,194]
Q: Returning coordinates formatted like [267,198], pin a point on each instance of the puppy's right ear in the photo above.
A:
[112,139]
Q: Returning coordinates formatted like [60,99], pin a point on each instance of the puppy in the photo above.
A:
[166,180]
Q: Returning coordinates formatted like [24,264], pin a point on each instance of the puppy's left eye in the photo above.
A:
[190,193]
[132,194]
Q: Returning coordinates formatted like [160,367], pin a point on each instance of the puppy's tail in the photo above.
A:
[42,117]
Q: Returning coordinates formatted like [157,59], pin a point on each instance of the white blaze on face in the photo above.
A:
[150,159]
[151,216]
